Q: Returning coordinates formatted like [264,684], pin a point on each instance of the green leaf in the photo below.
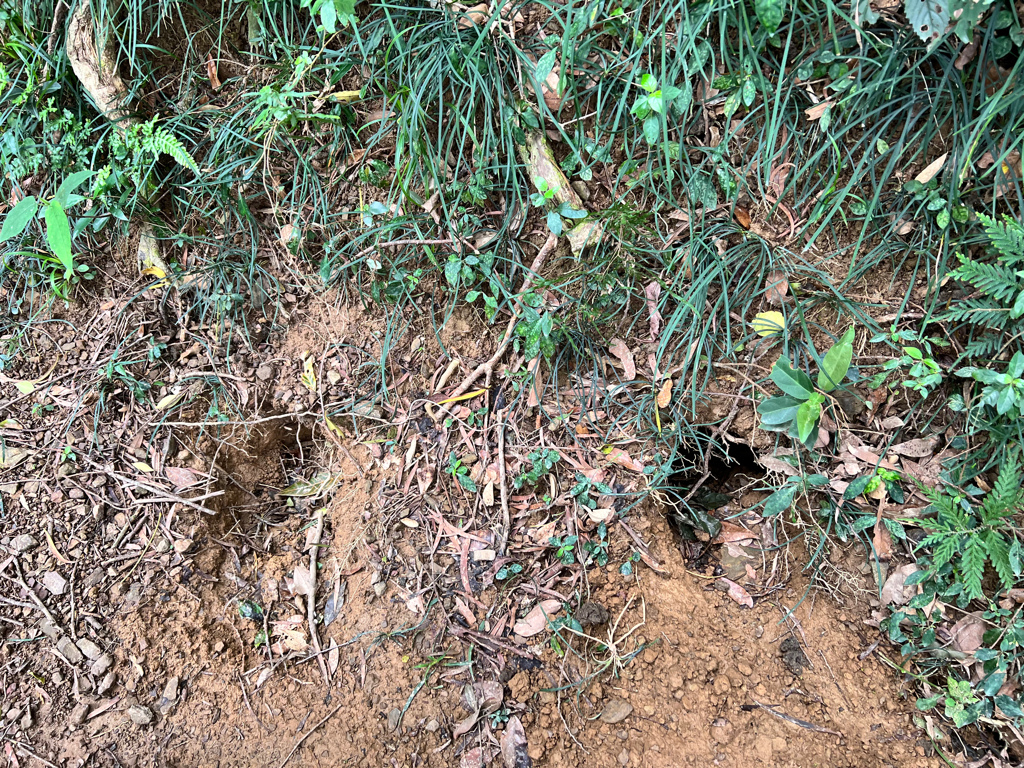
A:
[546,64]
[749,93]
[769,13]
[856,488]
[991,684]
[58,235]
[795,383]
[928,17]
[882,146]
[652,129]
[329,17]
[649,83]
[466,482]
[452,271]
[69,185]
[776,411]
[779,501]
[18,218]
[925,704]
[1008,706]
[554,223]
[807,416]
[836,362]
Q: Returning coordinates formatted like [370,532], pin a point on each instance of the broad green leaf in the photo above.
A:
[807,416]
[769,13]
[329,17]
[928,17]
[546,64]
[749,93]
[856,488]
[779,501]
[836,362]
[452,270]
[649,83]
[652,129]
[466,482]
[1009,707]
[554,223]
[58,235]
[795,383]
[18,218]
[925,704]
[69,185]
[778,410]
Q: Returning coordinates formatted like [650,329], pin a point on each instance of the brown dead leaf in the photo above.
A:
[552,97]
[742,216]
[333,657]
[302,581]
[513,744]
[932,169]
[882,541]
[968,633]
[732,532]
[738,593]
[536,382]
[894,591]
[623,459]
[475,16]
[652,292]
[542,534]
[473,758]
[537,619]
[815,112]
[665,394]
[904,227]
[485,696]
[180,477]
[625,356]
[917,449]
[776,287]
[211,72]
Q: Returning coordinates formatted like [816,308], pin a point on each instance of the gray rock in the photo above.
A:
[394,719]
[140,715]
[23,543]
[170,696]
[432,726]
[70,650]
[89,648]
[48,629]
[106,683]
[78,714]
[615,711]
[54,582]
[101,665]
[265,372]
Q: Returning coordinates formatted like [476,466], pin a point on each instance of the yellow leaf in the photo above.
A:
[467,396]
[308,377]
[345,97]
[767,323]
[332,427]
[142,466]
[25,387]
[168,400]
[155,272]
[932,170]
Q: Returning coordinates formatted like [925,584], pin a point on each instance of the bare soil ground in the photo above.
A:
[155,586]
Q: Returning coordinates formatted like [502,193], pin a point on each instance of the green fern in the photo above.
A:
[159,141]
[998,303]
[968,537]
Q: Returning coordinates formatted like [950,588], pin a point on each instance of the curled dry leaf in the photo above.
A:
[665,394]
[537,619]
[742,216]
[882,541]
[211,72]
[485,696]
[652,292]
[733,532]
[967,633]
[932,169]
[513,745]
[600,515]
[737,593]
[776,287]
[475,16]
[302,581]
[815,112]
[894,591]
[625,356]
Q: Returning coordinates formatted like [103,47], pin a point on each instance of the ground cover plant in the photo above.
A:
[616,254]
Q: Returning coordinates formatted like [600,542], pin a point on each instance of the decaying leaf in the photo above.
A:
[882,540]
[11,455]
[665,394]
[767,323]
[537,619]
[142,466]
[737,593]
[893,591]
[967,633]
[211,72]
[815,112]
[180,477]
[917,449]
[621,351]
[652,292]
[623,459]
[742,216]
[513,744]
[776,287]
[308,377]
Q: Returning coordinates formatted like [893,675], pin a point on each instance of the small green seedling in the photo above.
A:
[653,105]
[799,410]
[66,271]
[543,197]
[460,473]
[565,547]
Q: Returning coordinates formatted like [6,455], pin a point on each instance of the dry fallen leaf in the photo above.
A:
[738,593]
[932,170]
[732,532]
[917,449]
[742,216]
[665,394]
[302,581]
[815,112]
[513,745]
[893,591]
[476,15]
[623,459]
[967,633]
[600,515]
[181,478]
[625,356]
[537,619]
[776,287]
[211,72]
[652,291]
[882,541]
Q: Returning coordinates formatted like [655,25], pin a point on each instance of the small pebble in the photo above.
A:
[140,715]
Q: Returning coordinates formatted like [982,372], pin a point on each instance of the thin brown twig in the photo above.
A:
[488,367]
[795,720]
[311,598]
[310,733]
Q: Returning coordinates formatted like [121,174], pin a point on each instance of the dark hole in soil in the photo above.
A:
[729,474]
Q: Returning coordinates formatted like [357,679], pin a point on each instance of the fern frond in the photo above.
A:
[999,555]
[982,311]
[983,347]
[163,142]
[972,565]
[1006,496]
[992,279]
[1006,238]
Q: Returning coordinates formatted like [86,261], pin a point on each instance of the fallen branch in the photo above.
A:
[488,367]
[770,708]
[314,546]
